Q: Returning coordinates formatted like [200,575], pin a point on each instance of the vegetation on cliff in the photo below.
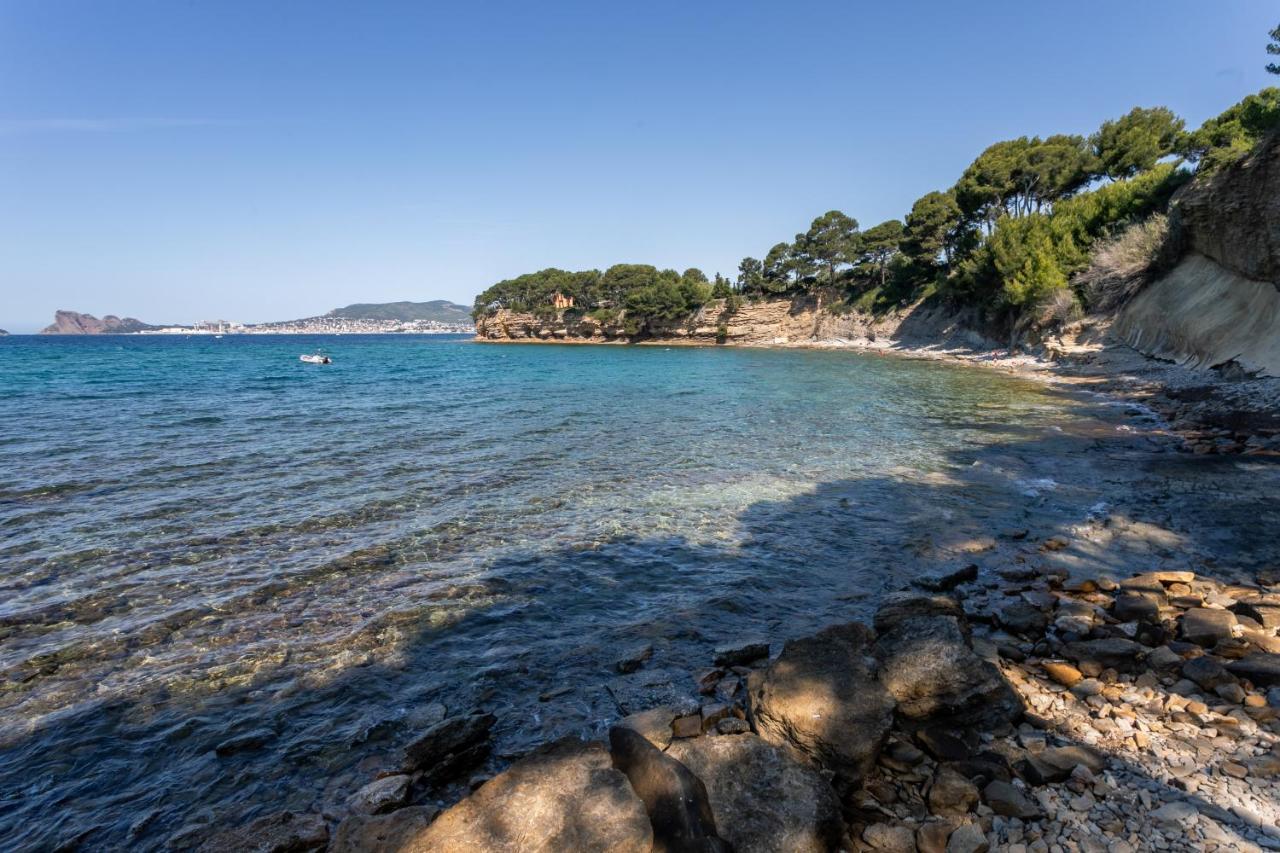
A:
[1010,237]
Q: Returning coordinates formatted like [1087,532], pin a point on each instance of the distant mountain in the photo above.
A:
[3,333]
[440,310]
[75,323]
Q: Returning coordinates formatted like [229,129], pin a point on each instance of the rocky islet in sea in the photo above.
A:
[1017,708]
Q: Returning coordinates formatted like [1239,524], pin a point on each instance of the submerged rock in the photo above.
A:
[284,832]
[565,796]
[821,696]
[381,795]
[740,653]
[449,746]
[675,798]
[763,799]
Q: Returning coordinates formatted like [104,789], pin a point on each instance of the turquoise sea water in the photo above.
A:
[202,539]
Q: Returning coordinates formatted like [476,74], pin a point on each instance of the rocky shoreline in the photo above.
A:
[1009,708]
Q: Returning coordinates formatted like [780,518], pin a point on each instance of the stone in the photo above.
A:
[1163,659]
[821,696]
[951,793]
[687,726]
[1136,607]
[1087,687]
[654,724]
[1206,626]
[1110,653]
[905,605]
[1062,672]
[740,653]
[283,832]
[1264,609]
[762,797]
[1231,691]
[633,658]
[891,838]
[381,795]
[929,668]
[1005,799]
[1206,672]
[1176,812]
[564,796]
[363,833]
[1263,668]
[945,581]
[733,726]
[1066,758]
[1021,618]
[449,746]
[968,839]
[932,836]
[675,799]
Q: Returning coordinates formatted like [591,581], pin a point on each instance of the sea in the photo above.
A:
[232,583]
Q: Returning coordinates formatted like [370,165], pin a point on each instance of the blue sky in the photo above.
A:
[177,161]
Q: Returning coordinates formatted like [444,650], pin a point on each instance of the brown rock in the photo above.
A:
[763,799]
[1062,672]
[821,696]
[890,838]
[932,837]
[951,793]
[654,724]
[1205,627]
[565,796]
[687,726]
[673,796]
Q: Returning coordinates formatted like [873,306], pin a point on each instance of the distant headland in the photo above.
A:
[435,317]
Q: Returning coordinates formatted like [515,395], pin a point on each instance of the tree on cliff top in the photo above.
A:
[831,242]
[1274,50]
[1134,142]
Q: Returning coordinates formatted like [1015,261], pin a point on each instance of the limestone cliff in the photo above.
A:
[1220,305]
[777,322]
[74,323]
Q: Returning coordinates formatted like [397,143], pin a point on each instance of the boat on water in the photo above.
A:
[315,358]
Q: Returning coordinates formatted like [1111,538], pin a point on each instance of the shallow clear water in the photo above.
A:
[201,538]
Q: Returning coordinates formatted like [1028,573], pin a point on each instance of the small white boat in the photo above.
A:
[315,358]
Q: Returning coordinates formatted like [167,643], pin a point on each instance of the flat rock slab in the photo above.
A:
[741,652]
[763,797]
[927,665]
[905,605]
[565,796]
[1205,626]
[449,746]
[649,689]
[822,696]
[1111,652]
[1262,668]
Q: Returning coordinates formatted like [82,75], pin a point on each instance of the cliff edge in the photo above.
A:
[1220,305]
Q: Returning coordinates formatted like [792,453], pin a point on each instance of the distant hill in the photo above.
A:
[440,310]
[75,323]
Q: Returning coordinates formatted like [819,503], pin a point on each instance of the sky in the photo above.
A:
[176,161]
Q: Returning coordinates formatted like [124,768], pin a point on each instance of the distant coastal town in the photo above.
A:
[317,326]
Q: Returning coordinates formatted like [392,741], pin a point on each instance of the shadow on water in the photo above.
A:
[131,773]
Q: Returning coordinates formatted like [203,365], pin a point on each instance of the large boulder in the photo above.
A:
[763,797]
[565,796]
[822,696]
[674,797]
[931,670]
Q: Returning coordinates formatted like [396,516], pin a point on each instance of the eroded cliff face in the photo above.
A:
[1221,304]
[75,323]
[777,322]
